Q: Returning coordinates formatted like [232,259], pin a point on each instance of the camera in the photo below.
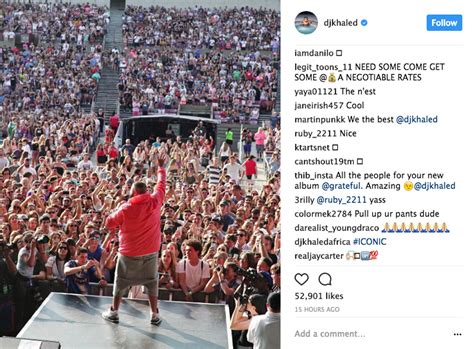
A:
[244,294]
[219,268]
[252,283]
[43,239]
[250,275]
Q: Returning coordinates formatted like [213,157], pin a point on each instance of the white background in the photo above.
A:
[419,291]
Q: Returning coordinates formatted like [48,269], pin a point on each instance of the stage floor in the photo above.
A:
[75,321]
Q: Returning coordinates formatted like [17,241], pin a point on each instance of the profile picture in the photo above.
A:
[306,22]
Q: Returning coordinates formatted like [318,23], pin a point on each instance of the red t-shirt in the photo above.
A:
[250,167]
[113,153]
[139,221]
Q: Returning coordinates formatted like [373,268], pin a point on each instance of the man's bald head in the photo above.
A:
[138,188]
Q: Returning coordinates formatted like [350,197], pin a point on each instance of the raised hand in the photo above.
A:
[161,159]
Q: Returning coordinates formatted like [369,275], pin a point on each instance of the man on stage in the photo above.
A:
[140,239]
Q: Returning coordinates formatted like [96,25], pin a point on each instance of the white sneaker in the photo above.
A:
[155,320]
[111,315]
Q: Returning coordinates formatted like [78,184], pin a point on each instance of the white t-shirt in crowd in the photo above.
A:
[233,171]
[194,274]
[57,267]
[85,165]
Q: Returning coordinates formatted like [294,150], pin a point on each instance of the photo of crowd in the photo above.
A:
[62,175]
[220,57]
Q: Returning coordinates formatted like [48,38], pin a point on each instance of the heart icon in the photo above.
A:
[301,278]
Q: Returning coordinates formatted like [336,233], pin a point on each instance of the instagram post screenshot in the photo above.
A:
[161,160]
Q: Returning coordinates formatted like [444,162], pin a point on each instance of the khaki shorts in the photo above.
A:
[132,271]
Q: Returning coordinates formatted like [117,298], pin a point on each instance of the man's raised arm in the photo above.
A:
[159,192]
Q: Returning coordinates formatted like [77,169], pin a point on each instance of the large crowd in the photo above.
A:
[224,58]
[63,23]
[54,216]
[232,29]
[42,86]
[56,190]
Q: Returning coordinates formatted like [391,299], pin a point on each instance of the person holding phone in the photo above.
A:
[79,271]
[264,330]
[223,282]
[243,314]
[167,270]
